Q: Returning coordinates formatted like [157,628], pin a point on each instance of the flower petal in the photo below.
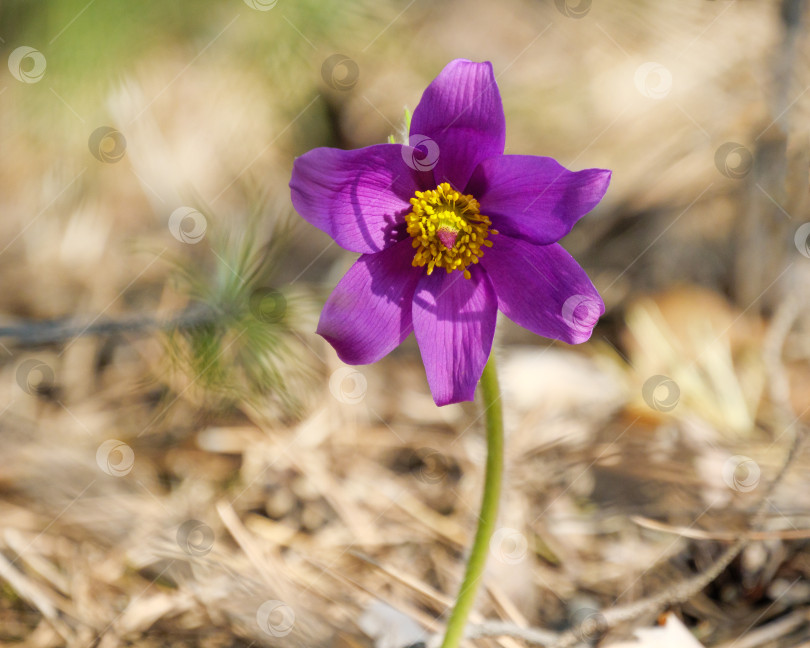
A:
[535,198]
[357,197]
[454,322]
[461,111]
[368,314]
[542,288]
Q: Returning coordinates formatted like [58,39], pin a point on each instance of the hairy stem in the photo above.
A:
[489,507]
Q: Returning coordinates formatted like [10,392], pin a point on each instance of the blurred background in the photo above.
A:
[183,462]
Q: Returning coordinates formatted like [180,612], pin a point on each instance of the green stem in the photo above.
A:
[489,507]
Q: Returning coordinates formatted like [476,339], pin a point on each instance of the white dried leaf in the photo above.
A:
[673,634]
[389,627]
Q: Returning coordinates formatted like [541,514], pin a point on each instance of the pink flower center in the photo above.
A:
[447,235]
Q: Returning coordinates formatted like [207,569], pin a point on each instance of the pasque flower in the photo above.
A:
[450,230]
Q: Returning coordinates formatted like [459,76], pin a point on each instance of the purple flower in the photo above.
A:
[450,230]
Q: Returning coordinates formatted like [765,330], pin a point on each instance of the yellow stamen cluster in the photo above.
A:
[448,230]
